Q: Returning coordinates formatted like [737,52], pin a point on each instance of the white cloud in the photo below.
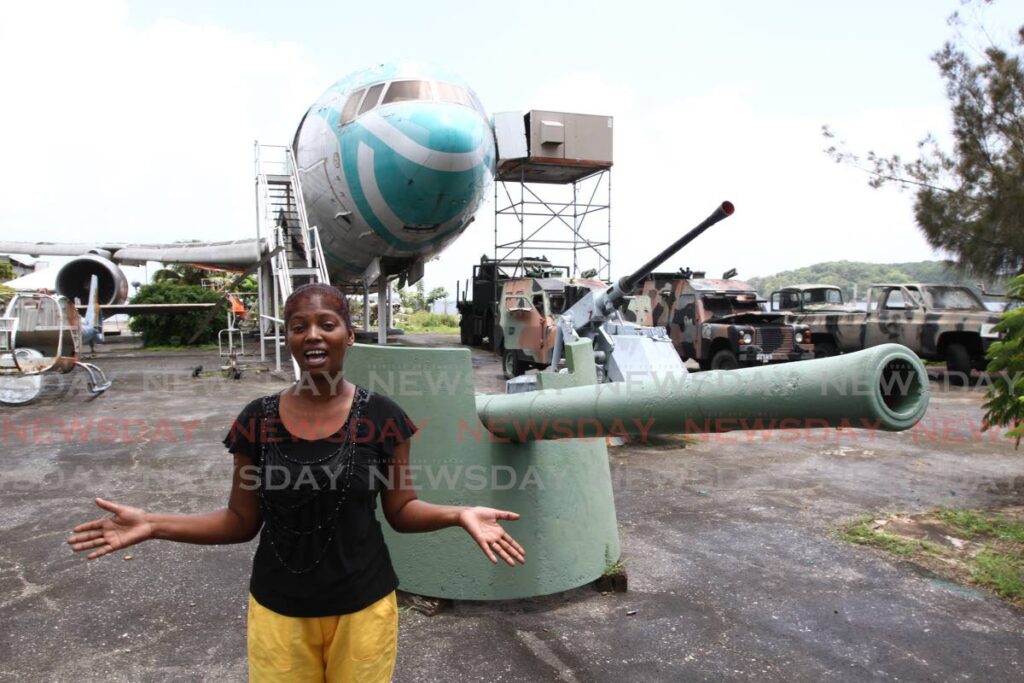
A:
[122,133]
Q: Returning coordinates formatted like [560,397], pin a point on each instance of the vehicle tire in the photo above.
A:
[724,360]
[958,364]
[463,334]
[511,366]
[825,349]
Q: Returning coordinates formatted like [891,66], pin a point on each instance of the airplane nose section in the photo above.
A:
[443,158]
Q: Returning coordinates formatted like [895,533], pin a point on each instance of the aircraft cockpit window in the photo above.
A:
[348,112]
[450,92]
[476,103]
[372,96]
[407,91]
[458,94]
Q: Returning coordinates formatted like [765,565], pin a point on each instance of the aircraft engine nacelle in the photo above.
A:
[74,278]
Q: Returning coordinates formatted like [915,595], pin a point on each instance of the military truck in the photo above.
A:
[946,322]
[720,323]
[514,308]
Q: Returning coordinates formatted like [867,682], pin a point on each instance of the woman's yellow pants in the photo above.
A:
[348,648]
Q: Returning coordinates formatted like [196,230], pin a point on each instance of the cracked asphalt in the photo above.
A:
[728,540]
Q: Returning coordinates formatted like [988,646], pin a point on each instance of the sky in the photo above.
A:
[135,121]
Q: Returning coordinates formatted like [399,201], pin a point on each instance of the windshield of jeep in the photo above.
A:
[823,296]
[954,299]
[718,305]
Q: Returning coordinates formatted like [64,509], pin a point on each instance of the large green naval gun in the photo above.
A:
[543,453]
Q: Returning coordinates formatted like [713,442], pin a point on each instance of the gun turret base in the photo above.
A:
[562,489]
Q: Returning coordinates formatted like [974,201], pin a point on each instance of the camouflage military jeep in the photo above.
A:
[719,323]
[936,321]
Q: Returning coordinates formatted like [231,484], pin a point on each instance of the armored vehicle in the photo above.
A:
[936,321]
[720,323]
[480,317]
[528,314]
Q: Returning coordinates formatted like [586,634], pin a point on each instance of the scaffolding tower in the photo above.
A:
[552,189]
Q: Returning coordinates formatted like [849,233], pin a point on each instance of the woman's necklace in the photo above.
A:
[275,510]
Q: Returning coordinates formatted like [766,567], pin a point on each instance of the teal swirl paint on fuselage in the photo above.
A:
[415,194]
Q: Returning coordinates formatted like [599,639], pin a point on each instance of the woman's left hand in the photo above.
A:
[482,524]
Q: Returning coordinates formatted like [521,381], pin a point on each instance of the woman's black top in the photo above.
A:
[321,551]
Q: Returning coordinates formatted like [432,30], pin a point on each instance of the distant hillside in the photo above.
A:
[846,274]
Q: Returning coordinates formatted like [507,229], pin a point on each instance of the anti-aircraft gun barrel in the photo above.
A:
[883,388]
[626,284]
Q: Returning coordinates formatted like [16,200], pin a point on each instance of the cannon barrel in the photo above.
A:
[628,283]
[884,388]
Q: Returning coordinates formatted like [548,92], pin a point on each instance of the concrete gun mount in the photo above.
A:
[515,452]
[622,348]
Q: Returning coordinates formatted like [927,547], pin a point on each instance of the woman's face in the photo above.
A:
[317,337]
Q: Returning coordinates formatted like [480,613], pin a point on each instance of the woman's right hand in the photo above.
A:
[124,527]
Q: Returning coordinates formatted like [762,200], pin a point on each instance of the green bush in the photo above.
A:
[175,329]
[424,321]
[1004,405]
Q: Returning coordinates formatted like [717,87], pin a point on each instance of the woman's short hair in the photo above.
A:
[331,297]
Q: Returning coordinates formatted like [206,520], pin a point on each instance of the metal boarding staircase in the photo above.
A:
[281,220]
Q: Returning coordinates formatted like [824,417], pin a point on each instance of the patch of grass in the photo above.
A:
[1002,572]
[967,523]
[993,559]
[614,569]
[1010,531]
[861,533]
[424,321]
[972,524]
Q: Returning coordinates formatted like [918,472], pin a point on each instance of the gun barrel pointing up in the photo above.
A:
[625,286]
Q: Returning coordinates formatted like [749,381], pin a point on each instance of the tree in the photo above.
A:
[6,272]
[180,273]
[420,295]
[968,201]
[355,307]
[411,299]
[435,294]
[1004,406]
[176,329]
